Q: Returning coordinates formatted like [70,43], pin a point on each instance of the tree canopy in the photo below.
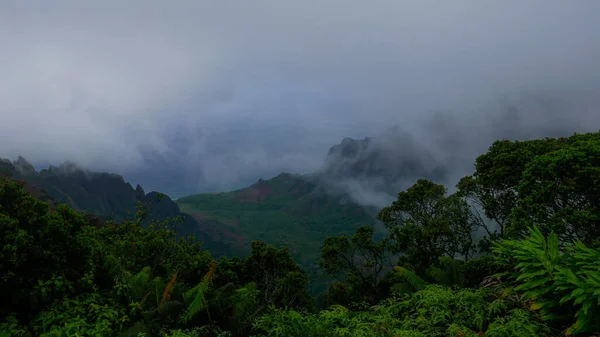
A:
[537,272]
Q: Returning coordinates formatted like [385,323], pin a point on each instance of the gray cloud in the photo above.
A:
[184,96]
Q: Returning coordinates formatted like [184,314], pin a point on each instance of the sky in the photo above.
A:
[189,96]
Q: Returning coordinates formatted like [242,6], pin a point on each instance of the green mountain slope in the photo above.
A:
[296,211]
[300,211]
[287,210]
[105,195]
[290,210]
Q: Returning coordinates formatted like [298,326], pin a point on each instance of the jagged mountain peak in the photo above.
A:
[139,191]
[23,166]
[383,165]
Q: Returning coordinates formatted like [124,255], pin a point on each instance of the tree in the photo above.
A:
[281,282]
[36,245]
[494,187]
[560,192]
[359,258]
[425,224]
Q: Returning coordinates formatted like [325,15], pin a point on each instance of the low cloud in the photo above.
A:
[443,146]
[199,95]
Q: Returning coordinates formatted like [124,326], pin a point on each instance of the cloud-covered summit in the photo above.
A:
[443,147]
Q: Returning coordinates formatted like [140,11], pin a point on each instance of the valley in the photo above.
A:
[291,210]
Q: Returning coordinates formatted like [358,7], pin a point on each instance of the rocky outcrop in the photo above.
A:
[374,170]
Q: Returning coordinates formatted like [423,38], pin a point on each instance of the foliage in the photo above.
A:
[556,282]
[433,311]
[447,271]
[62,276]
[414,282]
[281,282]
[65,274]
[36,244]
[360,259]
[560,192]
[477,269]
[287,210]
[506,174]
[86,315]
[424,224]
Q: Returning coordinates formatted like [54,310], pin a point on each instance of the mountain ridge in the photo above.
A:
[105,195]
[294,210]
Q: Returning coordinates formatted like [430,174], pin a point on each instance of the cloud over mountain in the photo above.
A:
[203,95]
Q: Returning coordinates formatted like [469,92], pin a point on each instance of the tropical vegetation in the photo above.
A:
[534,272]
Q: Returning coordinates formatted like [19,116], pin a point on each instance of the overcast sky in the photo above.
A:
[196,95]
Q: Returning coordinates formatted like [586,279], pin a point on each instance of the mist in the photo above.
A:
[191,96]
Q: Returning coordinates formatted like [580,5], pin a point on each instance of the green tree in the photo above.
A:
[425,224]
[359,259]
[36,245]
[494,187]
[560,192]
[281,282]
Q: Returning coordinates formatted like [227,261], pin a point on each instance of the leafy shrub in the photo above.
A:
[433,311]
[562,283]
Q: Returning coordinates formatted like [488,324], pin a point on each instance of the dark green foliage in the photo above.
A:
[560,192]
[530,170]
[414,282]
[424,224]
[281,282]
[476,270]
[558,282]
[36,244]
[360,260]
[432,311]
[64,274]
[63,277]
[448,272]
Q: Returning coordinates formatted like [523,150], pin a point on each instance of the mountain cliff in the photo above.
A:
[373,170]
[105,195]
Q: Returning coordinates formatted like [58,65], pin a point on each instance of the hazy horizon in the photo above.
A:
[194,96]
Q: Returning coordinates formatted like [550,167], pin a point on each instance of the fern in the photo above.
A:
[245,301]
[550,279]
[195,297]
[138,283]
[411,278]
[435,311]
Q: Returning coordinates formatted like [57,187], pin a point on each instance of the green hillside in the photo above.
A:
[286,210]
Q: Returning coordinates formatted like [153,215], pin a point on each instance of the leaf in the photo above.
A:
[410,277]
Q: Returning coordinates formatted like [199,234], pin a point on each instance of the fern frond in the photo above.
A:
[139,282]
[401,288]
[411,278]
[198,300]
[436,273]
[196,297]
